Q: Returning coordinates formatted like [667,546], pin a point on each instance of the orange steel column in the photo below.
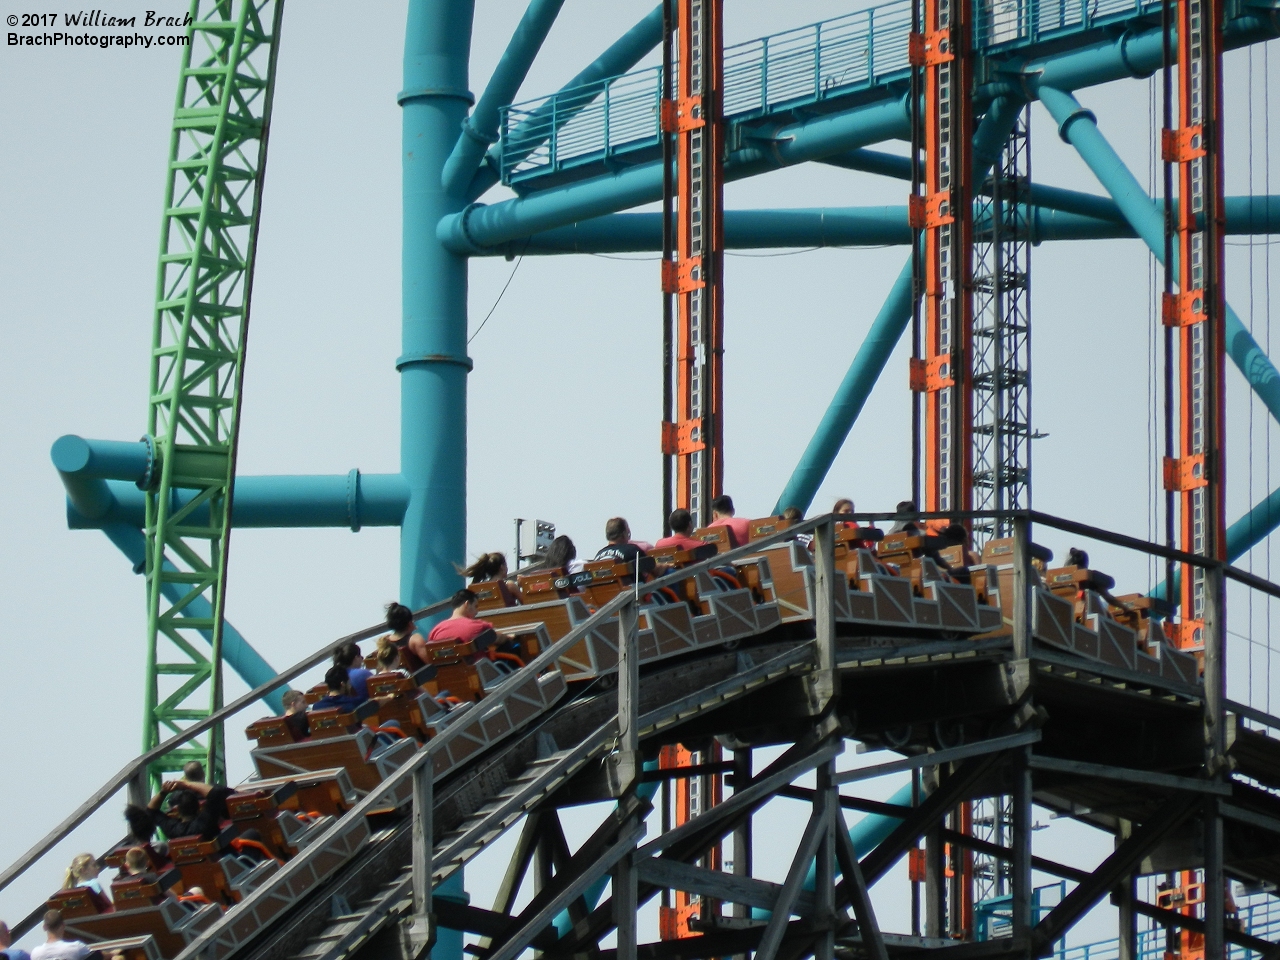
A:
[944,212]
[695,277]
[693,796]
[942,51]
[1197,311]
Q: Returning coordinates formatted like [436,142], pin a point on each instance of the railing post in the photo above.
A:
[554,139]
[817,60]
[139,787]
[1021,879]
[871,45]
[608,88]
[764,75]
[1022,581]
[824,681]
[1126,894]
[1215,737]
[504,122]
[625,772]
[625,765]
[420,931]
[827,806]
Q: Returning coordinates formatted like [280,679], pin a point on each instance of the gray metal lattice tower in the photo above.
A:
[1001,402]
[1002,335]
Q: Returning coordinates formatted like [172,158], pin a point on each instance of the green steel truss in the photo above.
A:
[212,201]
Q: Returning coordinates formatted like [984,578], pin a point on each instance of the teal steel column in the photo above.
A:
[623,54]
[1242,536]
[851,395]
[237,653]
[434,365]
[890,322]
[481,128]
[1079,127]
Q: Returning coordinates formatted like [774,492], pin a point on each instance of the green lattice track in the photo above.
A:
[212,200]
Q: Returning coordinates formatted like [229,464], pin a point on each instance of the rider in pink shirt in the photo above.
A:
[681,526]
[722,512]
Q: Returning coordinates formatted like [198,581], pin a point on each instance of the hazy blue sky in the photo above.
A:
[565,396]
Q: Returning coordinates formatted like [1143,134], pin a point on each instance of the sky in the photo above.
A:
[564,400]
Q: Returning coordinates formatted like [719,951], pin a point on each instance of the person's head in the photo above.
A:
[84,866]
[295,701]
[141,826]
[956,533]
[906,507]
[338,680]
[387,654]
[488,566]
[681,521]
[193,771]
[722,506]
[843,505]
[464,603]
[187,805]
[6,938]
[136,861]
[54,924]
[561,552]
[617,530]
[792,515]
[1077,558]
[399,617]
[348,655]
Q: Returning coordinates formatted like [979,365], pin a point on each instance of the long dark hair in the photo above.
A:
[486,567]
[560,553]
[399,617]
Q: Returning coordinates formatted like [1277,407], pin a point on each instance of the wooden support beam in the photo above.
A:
[951,792]
[717,884]
[937,757]
[1114,869]
[859,896]
[1148,778]
[814,833]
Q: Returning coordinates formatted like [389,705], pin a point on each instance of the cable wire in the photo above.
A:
[519,260]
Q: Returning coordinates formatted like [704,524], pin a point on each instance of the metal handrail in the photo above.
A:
[1231,572]
[491,703]
[130,770]
[782,70]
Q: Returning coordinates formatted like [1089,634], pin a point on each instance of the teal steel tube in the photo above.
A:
[1078,127]
[1039,194]
[841,414]
[621,56]
[434,364]
[481,128]
[480,226]
[104,480]
[867,834]
[1242,536]
[563,924]
[743,230]
[1128,55]
[237,654]
[891,321]
[354,500]
[1061,215]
